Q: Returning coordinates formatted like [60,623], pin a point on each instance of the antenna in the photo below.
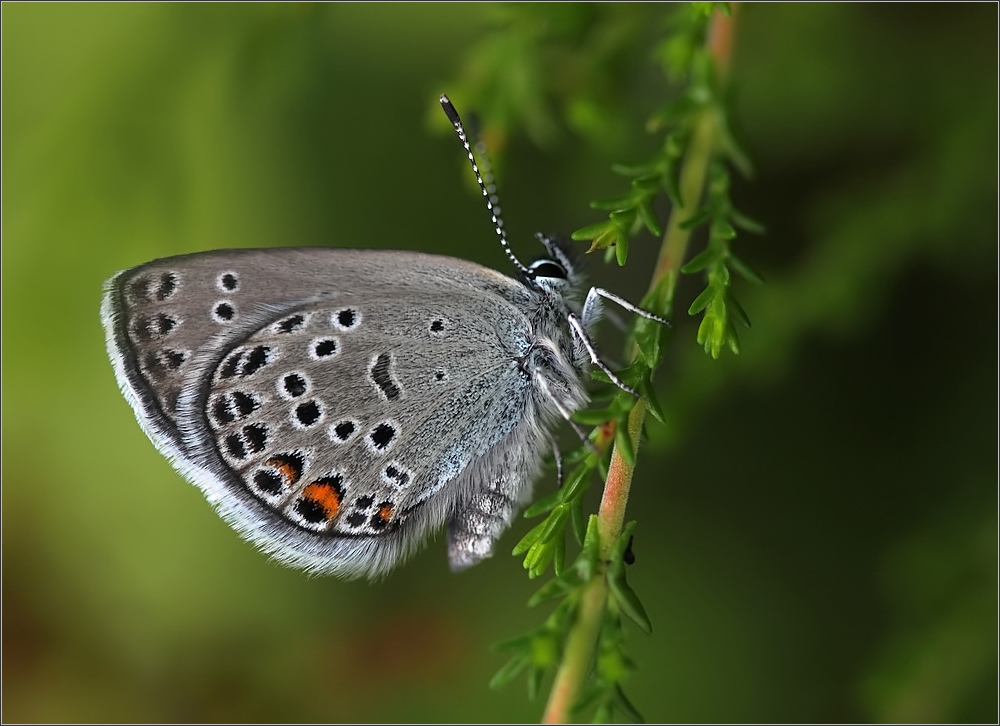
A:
[492,201]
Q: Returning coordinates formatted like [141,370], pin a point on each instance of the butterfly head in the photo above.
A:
[558,272]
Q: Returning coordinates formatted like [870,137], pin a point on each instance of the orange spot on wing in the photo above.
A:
[385,512]
[286,469]
[326,495]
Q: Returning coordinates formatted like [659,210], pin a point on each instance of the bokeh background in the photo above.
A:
[817,534]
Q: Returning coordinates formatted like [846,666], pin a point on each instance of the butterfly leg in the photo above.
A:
[557,456]
[578,329]
[592,307]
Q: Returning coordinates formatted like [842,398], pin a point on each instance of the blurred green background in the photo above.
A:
[817,534]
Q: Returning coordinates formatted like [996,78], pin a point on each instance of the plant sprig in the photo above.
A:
[701,102]
[717,301]
[582,642]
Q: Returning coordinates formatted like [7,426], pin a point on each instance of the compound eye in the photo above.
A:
[547,268]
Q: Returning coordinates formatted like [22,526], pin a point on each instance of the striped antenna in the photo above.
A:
[489,192]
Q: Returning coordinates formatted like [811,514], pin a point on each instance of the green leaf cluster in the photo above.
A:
[701,102]
[683,58]
[536,654]
[549,68]
[720,307]
[605,698]
[685,38]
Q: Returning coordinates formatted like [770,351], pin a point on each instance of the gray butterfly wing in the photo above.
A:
[328,402]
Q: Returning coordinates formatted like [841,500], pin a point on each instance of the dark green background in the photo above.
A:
[817,535]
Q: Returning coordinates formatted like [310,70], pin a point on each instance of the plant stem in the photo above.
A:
[611,515]
[578,652]
[693,173]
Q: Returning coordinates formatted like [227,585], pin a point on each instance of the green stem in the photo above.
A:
[581,641]
[692,182]
[578,652]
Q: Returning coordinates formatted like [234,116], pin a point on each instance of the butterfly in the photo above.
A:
[338,406]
